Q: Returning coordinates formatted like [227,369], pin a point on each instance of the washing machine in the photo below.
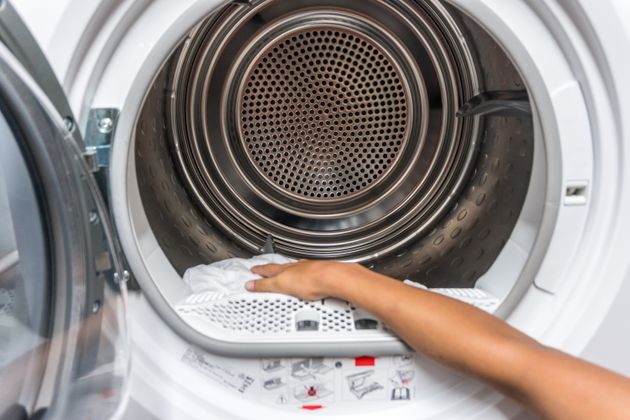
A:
[478,148]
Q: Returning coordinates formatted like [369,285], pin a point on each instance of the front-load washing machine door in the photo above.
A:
[64,349]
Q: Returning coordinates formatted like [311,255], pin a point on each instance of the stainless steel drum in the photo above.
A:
[332,126]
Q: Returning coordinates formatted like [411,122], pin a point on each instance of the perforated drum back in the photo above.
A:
[324,113]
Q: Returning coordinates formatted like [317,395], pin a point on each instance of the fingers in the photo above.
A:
[269,284]
[261,286]
[269,270]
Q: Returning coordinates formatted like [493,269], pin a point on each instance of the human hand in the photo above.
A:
[308,280]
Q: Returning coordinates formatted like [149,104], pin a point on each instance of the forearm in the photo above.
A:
[546,381]
[446,330]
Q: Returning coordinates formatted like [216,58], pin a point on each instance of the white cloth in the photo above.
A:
[228,276]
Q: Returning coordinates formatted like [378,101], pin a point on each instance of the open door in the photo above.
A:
[64,348]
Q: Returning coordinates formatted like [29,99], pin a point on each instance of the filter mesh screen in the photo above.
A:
[250,314]
[276,316]
[324,113]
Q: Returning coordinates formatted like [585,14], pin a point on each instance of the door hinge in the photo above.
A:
[97,157]
[90,160]
[99,134]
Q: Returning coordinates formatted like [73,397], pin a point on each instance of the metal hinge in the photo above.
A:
[99,134]
[90,160]
[121,277]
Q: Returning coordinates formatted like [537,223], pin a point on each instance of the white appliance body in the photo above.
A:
[570,54]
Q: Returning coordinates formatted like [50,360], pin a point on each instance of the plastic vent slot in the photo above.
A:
[276,318]
[269,315]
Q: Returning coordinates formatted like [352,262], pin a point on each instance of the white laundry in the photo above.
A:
[228,276]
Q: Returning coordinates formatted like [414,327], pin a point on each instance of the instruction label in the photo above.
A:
[201,362]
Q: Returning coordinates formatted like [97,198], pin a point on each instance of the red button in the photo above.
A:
[364,361]
[312,407]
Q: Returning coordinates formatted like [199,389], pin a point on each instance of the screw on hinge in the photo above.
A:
[121,278]
[93,217]
[105,125]
[68,122]
[96,306]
